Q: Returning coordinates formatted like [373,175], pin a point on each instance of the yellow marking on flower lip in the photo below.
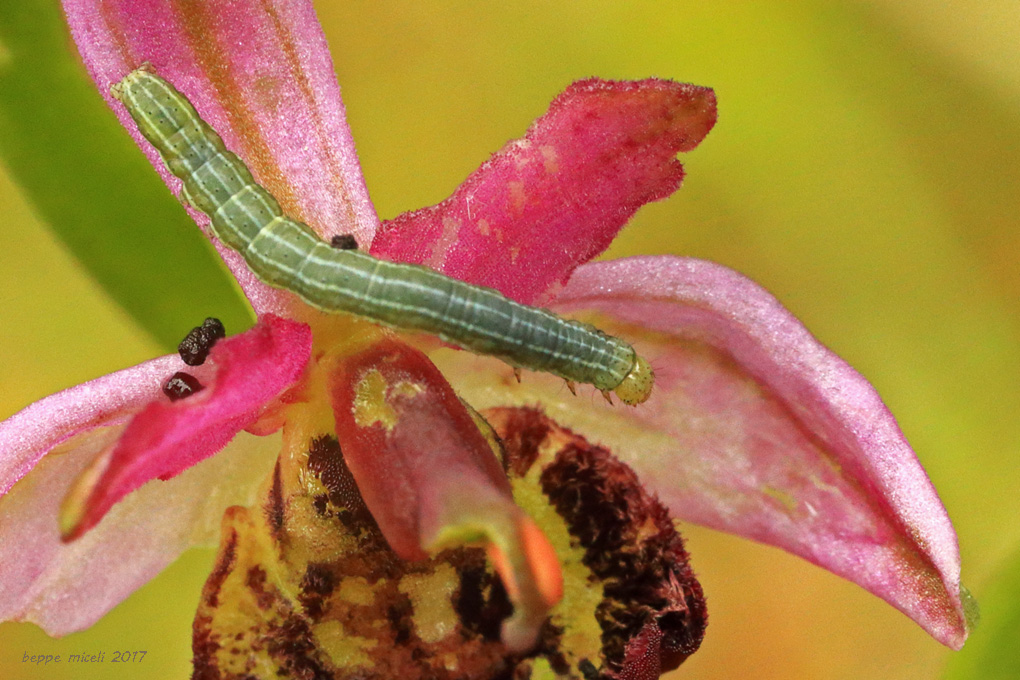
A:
[343,649]
[541,669]
[432,600]
[356,590]
[575,613]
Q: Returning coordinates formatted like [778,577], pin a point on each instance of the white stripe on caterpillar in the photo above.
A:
[287,254]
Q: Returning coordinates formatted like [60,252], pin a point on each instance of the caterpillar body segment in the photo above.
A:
[287,254]
[215,180]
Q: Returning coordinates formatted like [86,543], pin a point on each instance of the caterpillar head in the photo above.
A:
[636,386]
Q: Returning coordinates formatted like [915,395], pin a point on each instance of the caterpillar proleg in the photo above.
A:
[287,254]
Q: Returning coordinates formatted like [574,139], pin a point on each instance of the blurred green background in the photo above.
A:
[865,169]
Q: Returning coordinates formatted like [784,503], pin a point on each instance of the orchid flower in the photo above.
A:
[753,428]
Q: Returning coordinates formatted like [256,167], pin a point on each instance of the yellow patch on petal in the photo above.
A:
[785,498]
[75,503]
[373,400]
[370,405]
[406,389]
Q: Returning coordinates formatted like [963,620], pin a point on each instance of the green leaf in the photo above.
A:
[992,653]
[96,190]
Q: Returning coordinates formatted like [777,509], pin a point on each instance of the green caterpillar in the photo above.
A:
[287,254]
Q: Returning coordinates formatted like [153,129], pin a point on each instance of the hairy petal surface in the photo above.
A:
[66,587]
[260,74]
[557,197]
[756,429]
[241,376]
[431,479]
[29,434]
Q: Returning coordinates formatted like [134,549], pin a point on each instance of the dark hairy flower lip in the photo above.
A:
[341,581]
[629,540]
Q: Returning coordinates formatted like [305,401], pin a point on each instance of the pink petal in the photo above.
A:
[28,435]
[753,428]
[66,587]
[242,375]
[260,74]
[556,198]
[432,480]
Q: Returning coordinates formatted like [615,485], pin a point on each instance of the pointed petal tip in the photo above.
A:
[814,461]
[244,373]
[756,429]
[27,436]
[960,623]
[67,586]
